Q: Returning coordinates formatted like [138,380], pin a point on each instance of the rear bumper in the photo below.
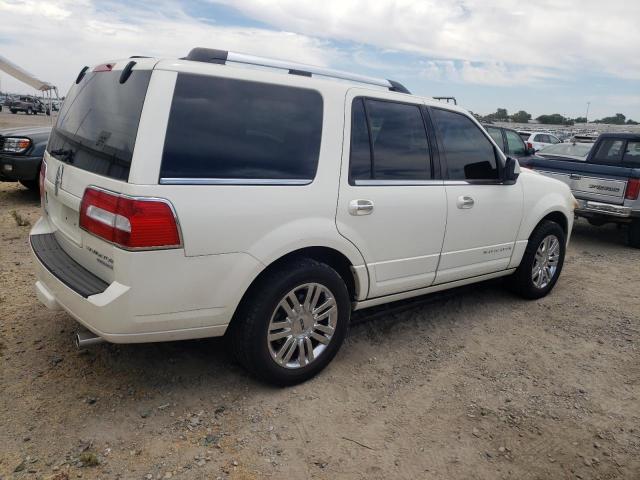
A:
[588,208]
[113,311]
[14,168]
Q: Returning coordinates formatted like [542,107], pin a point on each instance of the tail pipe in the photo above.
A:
[86,339]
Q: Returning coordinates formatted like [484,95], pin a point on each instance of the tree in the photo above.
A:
[580,120]
[554,119]
[632,122]
[501,115]
[521,117]
[619,119]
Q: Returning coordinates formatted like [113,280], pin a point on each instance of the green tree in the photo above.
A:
[521,117]
[580,120]
[632,122]
[554,119]
[618,119]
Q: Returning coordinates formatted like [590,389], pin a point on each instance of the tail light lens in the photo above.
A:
[529,145]
[43,174]
[633,189]
[129,222]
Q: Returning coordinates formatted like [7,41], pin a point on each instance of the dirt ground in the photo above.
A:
[472,384]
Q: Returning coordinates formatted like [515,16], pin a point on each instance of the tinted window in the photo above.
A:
[234,129]
[525,136]
[398,140]
[553,139]
[360,158]
[609,151]
[515,143]
[496,134]
[98,123]
[632,154]
[469,154]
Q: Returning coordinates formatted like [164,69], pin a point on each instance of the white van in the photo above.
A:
[229,194]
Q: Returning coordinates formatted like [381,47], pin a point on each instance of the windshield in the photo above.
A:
[577,151]
[98,123]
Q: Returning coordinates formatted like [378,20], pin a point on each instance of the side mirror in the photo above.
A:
[511,171]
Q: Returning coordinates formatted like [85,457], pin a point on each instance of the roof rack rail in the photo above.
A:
[211,55]
[447,99]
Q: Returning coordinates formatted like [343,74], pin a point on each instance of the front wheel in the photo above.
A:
[293,324]
[542,262]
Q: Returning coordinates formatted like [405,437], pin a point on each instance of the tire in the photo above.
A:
[30,184]
[29,111]
[524,281]
[261,313]
[13,110]
[633,235]
[596,222]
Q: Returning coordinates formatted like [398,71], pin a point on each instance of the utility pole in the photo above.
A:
[587,114]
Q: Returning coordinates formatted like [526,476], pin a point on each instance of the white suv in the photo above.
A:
[200,197]
[538,140]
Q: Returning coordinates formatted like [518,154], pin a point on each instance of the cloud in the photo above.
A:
[588,35]
[70,35]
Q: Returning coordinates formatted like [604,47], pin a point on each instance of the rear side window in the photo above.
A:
[496,134]
[632,154]
[469,153]
[515,143]
[98,123]
[609,152]
[222,128]
[388,142]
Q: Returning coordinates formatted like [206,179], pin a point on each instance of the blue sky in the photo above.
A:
[543,56]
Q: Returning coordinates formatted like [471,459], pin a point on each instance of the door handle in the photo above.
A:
[465,202]
[360,207]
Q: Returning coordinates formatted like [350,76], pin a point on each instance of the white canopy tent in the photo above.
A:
[21,74]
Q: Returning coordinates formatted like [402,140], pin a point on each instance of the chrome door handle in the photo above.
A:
[465,202]
[360,207]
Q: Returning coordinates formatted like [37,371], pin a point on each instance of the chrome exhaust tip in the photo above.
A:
[86,339]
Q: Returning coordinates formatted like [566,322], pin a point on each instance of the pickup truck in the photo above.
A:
[605,178]
[29,105]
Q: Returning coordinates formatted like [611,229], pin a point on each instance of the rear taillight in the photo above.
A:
[129,222]
[43,174]
[529,145]
[633,189]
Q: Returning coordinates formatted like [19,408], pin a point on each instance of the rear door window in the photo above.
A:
[237,130]
[609,152]
[97,126]
[515,143]
[388,142]
[468,152]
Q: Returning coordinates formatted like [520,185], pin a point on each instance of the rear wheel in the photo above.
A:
[29,111]
[293,324]
[13,110]
[542,262]
[633,235]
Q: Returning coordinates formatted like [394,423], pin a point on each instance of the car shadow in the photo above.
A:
[586,235]
[16,195]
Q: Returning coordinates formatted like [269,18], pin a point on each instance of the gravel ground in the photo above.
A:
[474,383]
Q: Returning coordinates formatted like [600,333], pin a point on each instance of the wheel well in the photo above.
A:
[559,218]
[326,255]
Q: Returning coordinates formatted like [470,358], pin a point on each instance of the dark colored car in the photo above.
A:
[509,142]
[29,105]
[21,152]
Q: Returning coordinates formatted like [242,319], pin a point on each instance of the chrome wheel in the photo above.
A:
[545,264]
[302,325]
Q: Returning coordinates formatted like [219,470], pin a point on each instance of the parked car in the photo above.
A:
[29,105]
[21,152]
[267,204]
[509,142]
[604,177]
[538,140]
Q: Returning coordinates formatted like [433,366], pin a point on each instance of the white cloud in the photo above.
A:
[70,35]
[581,35]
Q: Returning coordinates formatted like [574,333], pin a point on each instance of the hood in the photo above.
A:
[30,132]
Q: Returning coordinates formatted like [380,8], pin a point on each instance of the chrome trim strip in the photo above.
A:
[379,183]
[233,181]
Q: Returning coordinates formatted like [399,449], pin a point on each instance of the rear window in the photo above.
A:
[610,152]
[97,126]
[236,130]
[632,154]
